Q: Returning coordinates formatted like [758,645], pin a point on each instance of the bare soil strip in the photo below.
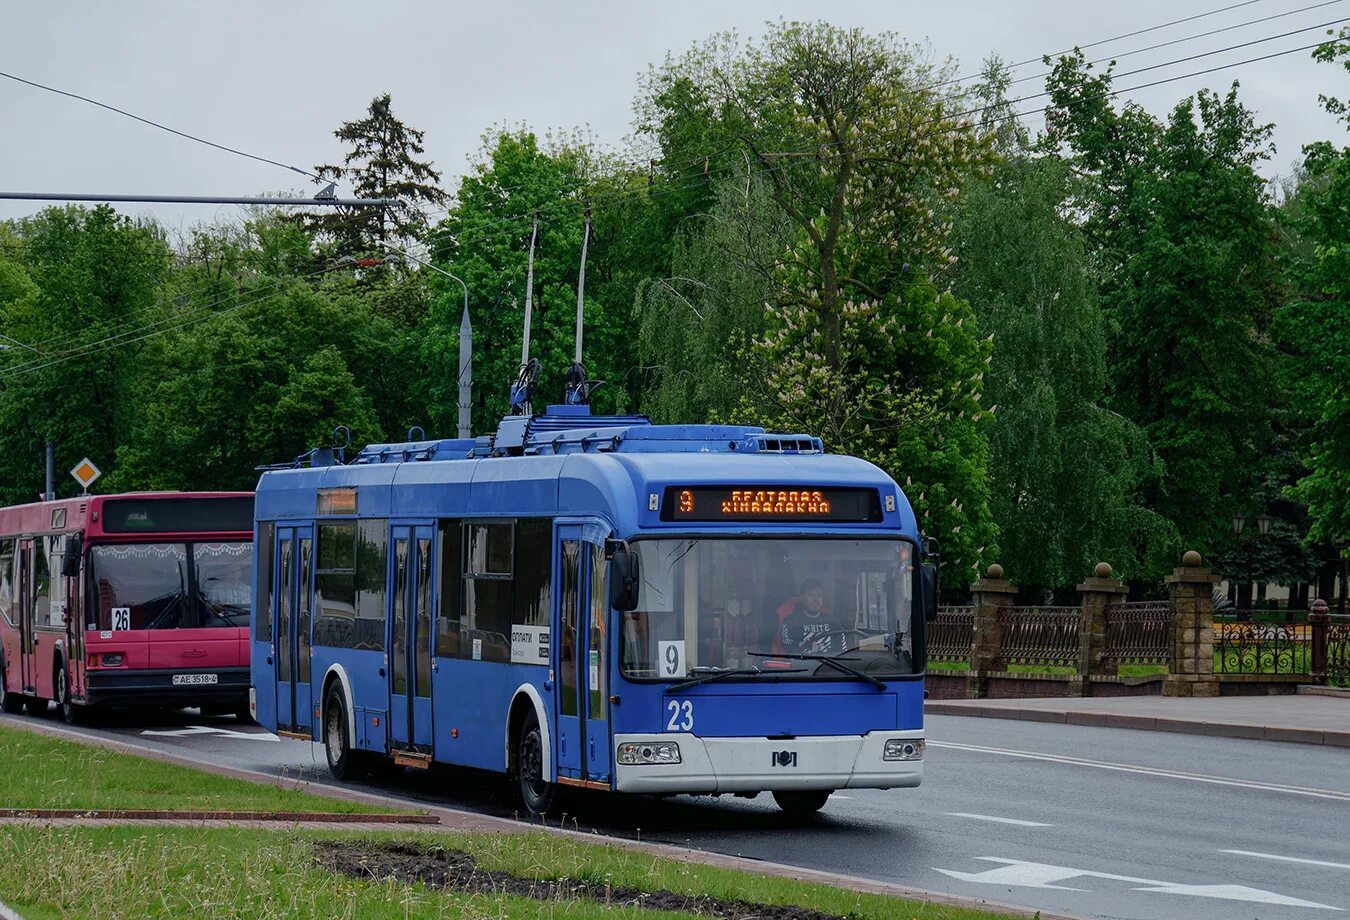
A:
[438,867]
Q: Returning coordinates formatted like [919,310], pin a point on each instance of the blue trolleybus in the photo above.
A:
[598,602]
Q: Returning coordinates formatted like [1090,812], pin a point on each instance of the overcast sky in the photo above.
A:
[275,78]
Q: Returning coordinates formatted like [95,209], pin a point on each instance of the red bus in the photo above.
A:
[140,599]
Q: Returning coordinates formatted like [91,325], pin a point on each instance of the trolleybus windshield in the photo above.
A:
[170,585]
[735,603]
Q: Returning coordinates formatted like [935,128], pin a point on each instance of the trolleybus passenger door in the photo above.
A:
[580,662]
[410,637]
[291,628]
[27,638]
[597,661]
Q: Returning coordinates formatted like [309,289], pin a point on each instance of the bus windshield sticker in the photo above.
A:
[529,644]
[477,649]
[672,658]
[593,671]
[121,619]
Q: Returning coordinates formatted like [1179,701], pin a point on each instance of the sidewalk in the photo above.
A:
[1302,718]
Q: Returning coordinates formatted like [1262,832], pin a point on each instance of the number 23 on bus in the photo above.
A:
[664,609]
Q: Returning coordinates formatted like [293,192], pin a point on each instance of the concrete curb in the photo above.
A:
[8,913]
[1142,723]
[454,819]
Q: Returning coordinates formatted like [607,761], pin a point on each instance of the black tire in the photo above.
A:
[343,762]
[802,801]
[71,713]
[243,716]
[11,703]
[536,794]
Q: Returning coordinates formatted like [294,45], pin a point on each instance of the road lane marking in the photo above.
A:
[210,730]
[1147,771]
[1292,859]
[966,814]
[1026,874]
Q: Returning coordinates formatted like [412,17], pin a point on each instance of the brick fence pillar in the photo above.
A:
[1191,671]
[990,595]
[1098,592]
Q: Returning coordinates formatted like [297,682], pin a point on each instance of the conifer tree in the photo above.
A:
[383,161]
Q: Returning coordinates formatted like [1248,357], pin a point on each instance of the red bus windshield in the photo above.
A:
[185,585]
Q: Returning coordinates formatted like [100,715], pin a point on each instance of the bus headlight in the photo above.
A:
[637,752]
[903,749]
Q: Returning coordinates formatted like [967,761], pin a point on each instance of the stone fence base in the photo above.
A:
[1004,685]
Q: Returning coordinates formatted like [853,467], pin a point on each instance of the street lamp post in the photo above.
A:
[465,342]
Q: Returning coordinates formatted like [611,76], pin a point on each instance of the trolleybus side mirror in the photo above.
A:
[623,580]
[70,560]
[928,576]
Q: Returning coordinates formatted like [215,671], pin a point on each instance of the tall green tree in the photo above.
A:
[84,285]
[485,240]
[383,160]
[1314,328]
[862,151]
[1066,474]
[1182,224]
[694,322]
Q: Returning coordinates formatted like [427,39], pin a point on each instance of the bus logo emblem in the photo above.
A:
[783,758]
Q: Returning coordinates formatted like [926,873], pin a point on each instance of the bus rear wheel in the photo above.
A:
[802,801]
[536,793]
[342,760]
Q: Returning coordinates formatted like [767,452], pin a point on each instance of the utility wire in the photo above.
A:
[150,330]
[483,229]
[693,161]
[1189,38]
[155,124]
[187,319]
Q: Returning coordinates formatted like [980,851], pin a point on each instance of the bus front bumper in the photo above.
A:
[166,687]
[717,765]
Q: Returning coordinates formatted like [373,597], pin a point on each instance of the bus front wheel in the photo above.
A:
[342,760]
[72,713]
[801,801]
[536,793]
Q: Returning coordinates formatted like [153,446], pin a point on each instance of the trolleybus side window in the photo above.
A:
[262,604]
[448,616]
[350,580]
[488,592]
[9,584]
[507,592]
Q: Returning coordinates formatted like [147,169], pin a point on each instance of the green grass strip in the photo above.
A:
[44,772]
[114,872]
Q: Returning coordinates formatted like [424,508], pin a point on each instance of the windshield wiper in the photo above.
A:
[706,674]
[824,659]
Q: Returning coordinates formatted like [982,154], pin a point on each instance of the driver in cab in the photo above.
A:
[808,628]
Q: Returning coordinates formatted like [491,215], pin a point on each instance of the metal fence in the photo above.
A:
[1338,652]
[1039,636]
[1262,648]
[950,635]
[1138,632]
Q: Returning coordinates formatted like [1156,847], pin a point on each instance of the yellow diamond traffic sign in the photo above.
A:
[85,473]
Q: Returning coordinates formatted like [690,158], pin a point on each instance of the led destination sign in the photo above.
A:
[770,503]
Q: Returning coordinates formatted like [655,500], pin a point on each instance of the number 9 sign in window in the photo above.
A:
[672,658]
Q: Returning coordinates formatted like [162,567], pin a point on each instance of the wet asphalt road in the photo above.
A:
[1096,822]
